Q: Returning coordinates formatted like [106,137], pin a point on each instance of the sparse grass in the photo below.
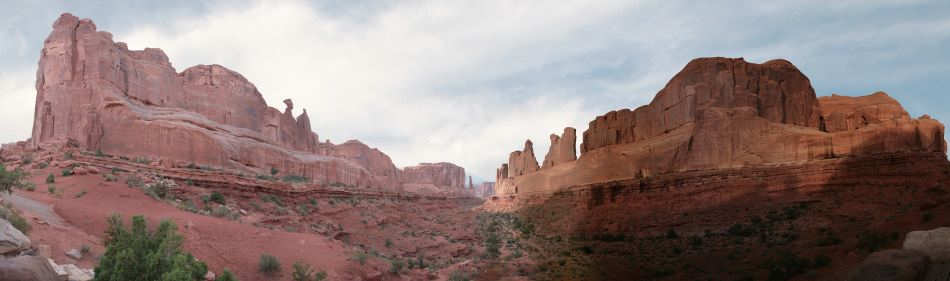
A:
[10,214]
[303,272]
[360,257]
[268,265]
[396,265]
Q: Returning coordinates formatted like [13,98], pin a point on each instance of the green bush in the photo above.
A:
[134,181]
[360,257]
[268,265]
[67,172]
[395,266]
[139,254]
[217,197]
[492,245]
[273,171]
[303,272]
[226,275]
[51,189]
[50,178]
[10,179]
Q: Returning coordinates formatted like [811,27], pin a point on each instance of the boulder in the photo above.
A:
[892,265]
[934,243]
[27,268]
[12,241]
[74,254]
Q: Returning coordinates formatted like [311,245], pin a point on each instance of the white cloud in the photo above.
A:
[381,79]
[17,97]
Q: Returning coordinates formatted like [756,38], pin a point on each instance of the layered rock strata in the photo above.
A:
[104,97]
[722,113]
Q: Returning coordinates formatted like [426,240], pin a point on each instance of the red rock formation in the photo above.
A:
[562,149]
[443,175]
[106,97]
[485,190]
[522,162]
[727,113]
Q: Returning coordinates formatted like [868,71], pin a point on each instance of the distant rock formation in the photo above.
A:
[485,190]
[98,93]
[443,174]
[725,113]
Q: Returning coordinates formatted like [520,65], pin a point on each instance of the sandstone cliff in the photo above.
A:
[562,149]
[98,93]
[727,113]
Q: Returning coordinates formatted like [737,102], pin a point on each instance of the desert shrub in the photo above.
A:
[68,155]
[273,199]
[273,171]
[396,265]
[10,179]
[11,215]
[84,249]
[671,234]
[459,275]
[159,189]
[135,253]
[110,177]
[872,241]
[226,275]
[268,265]
[67,172]
[100,154]
[29,186]
[134,181]
[303,272]
[741,229]
[217,197]
[42,165]
[389,243]
[142,160]
[492,245]
[295,179]
[221,212]
[80,194]
[51,189]
[50,178]
[927,216]
[360,257]
[27,159]
[786,265]
[821,261]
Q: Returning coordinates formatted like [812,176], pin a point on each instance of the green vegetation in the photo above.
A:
[303,272]
[295,179]
[273,171]
[872,241]
[139,254]
[80,194]
[217,197]
[395,266]
[67,172]
[459,275]
[389,243]
[134,181]
[158,190]
[268,265]
[226,275]
[360,257]
[68,155]
[273,199]
[51,189]
[10,179]
[11,215]
[50,178]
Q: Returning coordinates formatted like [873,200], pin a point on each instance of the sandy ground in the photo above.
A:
[219,242]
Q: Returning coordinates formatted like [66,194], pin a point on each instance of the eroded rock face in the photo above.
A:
[934,243]
[728,113]
[522,162]
[443,174]
[562,149]
[104,97]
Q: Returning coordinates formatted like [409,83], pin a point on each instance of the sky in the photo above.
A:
[468,81]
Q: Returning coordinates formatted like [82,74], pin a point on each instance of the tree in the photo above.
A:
[139,254]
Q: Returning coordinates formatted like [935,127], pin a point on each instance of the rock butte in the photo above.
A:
[105,97]
[720,113]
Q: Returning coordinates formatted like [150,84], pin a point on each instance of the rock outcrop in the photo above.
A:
[562,149]
[722,113]
[522,162]
[100,95]
[11,239]
[445,175]
[934,243]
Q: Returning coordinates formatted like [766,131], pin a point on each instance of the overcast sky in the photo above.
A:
[468,81]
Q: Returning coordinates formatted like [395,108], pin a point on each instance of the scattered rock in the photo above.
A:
[210,276]
[45,250]
[27,268]
[11,239]
[934,243]
[74,254]
[892,265]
